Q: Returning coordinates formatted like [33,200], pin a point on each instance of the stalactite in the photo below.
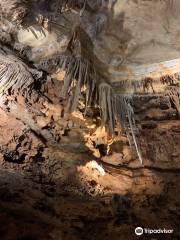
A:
[174,94]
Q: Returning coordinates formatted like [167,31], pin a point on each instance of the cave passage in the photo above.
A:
[89,119]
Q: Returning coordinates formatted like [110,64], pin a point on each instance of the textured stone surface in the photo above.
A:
[62,176]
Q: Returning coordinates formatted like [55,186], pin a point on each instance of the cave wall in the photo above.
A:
[61,175]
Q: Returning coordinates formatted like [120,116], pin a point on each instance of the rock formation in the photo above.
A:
[89,119]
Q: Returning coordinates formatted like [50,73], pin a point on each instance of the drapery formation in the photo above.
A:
[82,76]
[14,74]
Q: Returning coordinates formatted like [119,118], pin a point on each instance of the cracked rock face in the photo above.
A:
[61,175]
